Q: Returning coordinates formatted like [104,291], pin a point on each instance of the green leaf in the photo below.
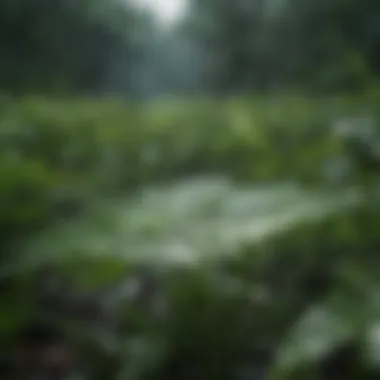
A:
[313,337]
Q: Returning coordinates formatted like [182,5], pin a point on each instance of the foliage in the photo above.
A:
[282,307]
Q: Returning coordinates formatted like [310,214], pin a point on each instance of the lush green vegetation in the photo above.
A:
[209,238]
[294,305]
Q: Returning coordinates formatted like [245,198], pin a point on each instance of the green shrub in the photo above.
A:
[249,315]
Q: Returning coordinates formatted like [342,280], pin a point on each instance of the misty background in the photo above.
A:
[145,49]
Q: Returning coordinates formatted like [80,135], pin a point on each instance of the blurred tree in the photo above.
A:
[319,49]
[65,45]
[256,44]
[227,32]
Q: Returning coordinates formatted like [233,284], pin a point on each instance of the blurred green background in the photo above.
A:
[193,199]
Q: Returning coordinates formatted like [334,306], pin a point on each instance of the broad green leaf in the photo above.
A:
[190,221]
